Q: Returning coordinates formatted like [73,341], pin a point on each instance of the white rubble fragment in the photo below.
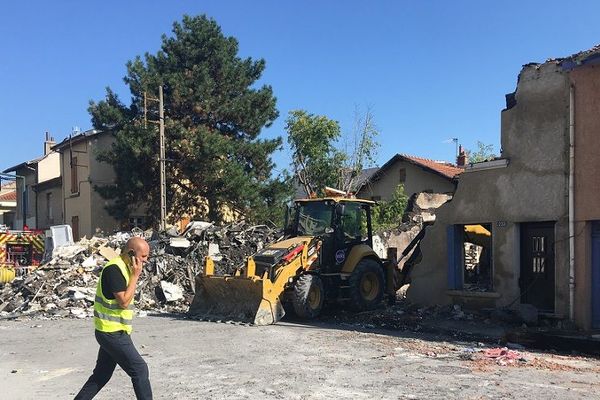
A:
[379,247]
[171,291]
[67,251]
[213,249]
[79,312]
[89,262]
[80,293]
[179,242]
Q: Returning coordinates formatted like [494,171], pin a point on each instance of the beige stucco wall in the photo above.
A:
[46,219]
[49,167]
[87,204]
[417,180]
[534,137]
[101,174]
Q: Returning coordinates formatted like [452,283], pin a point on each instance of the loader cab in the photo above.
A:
[339,224]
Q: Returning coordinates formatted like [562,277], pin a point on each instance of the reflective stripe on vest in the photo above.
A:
[108,315]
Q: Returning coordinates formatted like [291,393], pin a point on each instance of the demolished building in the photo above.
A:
[522,229]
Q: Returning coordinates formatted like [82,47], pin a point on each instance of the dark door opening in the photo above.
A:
[537,265]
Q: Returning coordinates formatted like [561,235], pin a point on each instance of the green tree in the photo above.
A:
[316,161]
[214,113]
[388,214]
[484,152]
[362,151]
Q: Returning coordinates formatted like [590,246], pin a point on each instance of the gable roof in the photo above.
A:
[24,164]
[441,168]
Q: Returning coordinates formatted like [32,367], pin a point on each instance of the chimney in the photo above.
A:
[463,159]
[48,143]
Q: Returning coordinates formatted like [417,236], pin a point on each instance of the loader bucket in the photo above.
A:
[236,298]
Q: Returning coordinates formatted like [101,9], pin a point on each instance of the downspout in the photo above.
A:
[571,203]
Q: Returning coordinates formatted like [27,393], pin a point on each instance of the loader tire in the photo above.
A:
[308,296]
[366,285]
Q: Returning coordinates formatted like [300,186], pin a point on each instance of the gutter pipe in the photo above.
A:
[571,203]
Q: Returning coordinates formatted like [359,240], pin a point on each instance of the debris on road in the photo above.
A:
[64,284]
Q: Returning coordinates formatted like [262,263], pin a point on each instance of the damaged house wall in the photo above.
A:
[528,185]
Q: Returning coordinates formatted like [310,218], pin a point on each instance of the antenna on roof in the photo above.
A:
[75,130]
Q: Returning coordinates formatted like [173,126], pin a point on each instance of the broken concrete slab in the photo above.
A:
[171,291]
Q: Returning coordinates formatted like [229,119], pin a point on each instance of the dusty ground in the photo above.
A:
[43,359]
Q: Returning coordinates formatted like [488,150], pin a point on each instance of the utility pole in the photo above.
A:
[162,156]
[163,183]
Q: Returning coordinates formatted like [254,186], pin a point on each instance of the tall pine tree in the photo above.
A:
[214,113]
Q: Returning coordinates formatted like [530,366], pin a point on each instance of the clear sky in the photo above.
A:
[429,70]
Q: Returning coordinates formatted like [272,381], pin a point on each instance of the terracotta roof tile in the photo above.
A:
[444,168]
[9,196]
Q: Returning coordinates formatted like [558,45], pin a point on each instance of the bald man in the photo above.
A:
[113,317]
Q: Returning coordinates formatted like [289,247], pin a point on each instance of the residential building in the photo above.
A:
[38,184]
[523,229]
[8,204]
[83,207]
[416,174]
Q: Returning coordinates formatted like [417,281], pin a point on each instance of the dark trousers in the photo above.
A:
[117,348]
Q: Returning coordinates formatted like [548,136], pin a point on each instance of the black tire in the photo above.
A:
[366,285]
[308,296]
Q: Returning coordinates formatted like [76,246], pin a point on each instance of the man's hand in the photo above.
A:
[125,297]
[136,265]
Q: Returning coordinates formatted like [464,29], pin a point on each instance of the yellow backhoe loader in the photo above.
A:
[327,253]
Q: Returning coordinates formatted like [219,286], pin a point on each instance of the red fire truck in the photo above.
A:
[21,248]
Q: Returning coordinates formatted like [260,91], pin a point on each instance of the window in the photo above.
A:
[74,180]
[353,223]
[402,175]
[470,257]
[314,218]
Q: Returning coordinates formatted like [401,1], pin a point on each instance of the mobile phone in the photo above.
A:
[131,253]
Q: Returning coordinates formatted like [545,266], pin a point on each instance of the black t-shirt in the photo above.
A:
[112,281]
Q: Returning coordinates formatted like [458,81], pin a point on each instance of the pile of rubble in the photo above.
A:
[64,285]
[405,238]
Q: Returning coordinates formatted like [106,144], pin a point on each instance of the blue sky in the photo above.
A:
[429,70]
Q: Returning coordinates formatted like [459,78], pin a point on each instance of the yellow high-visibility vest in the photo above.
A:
[108,315]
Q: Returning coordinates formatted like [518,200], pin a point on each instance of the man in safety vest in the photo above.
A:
[113,315]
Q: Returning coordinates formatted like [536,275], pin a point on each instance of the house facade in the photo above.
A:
[522,229]
[83,208]
[416,174]
[8,204]
[38,184]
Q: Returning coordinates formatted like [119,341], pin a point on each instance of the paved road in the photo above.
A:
[42,359]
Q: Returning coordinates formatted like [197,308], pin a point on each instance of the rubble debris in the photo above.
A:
[503,356]
[171,292]
[406,237]
[64,285]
